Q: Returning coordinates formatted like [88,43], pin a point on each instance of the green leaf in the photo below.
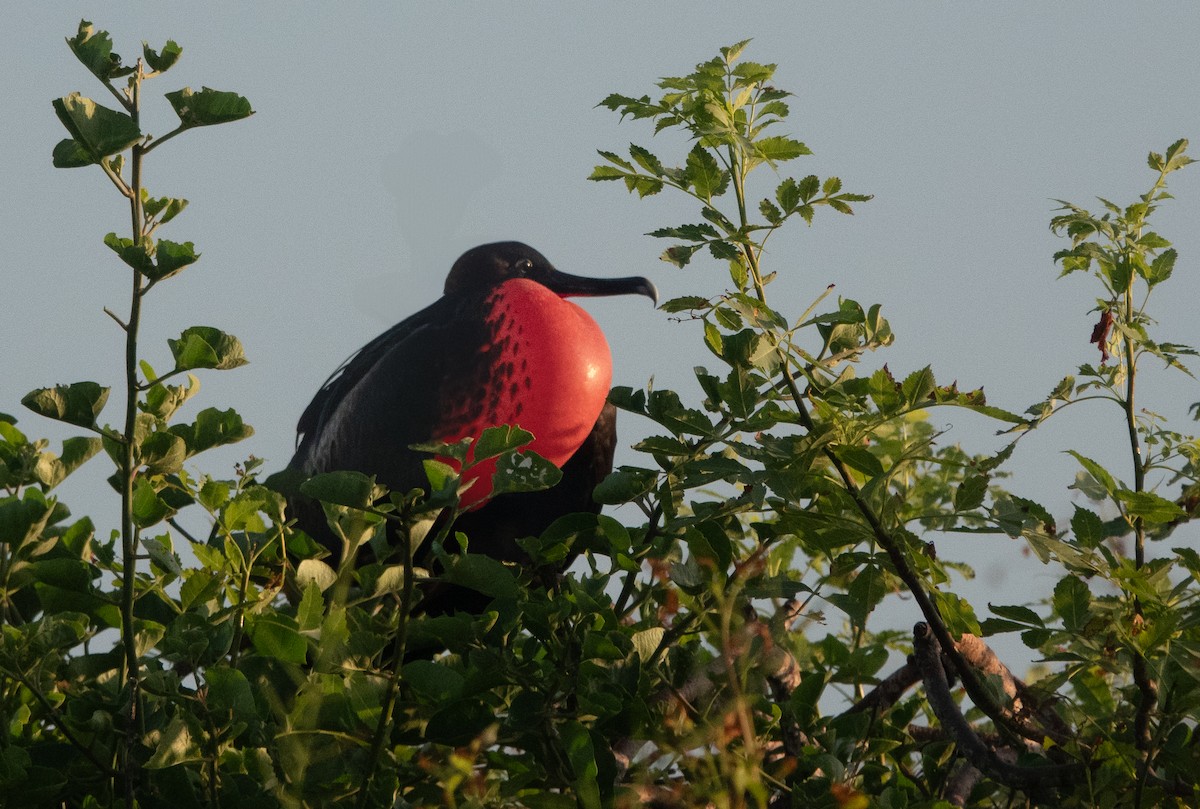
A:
[51,471]
[789,194]
[707,177]
[645,159]
[78,403]
[495,441]
[162,61]
[148,506]
[162,453]
[229,693]
[1161,268]
[208,107]
[1098,472]
[1150,507]
[483,574]
[276,635]
[524,472]
[212,428]
[353,489]
[970,493]
[577,742]
[171,257]
[136,255]
[165,208]
[779,149]
[94,49]
[177,744]
[70,154]
[97,129]
[206,347]
[162,554]
[1072,602]
[685,303]
[1088,528]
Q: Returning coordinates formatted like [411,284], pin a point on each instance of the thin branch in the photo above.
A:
[928,657]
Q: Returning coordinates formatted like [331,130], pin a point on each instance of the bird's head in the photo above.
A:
[490,265]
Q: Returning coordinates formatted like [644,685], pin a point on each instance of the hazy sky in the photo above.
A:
[391,137]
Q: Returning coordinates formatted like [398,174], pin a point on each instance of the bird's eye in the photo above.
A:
[523,267]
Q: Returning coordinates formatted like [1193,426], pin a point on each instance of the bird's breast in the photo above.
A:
[544,366]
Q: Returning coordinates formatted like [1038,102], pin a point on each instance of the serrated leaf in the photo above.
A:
[99,130]
[788,195]
[777,149]
[970,493]
[685,303]
[208,107]
[1098,472]
[770,212]
[646,159]
[1150,507]
[707,177]
[78,403]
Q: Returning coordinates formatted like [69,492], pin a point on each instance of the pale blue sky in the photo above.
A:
[391,137]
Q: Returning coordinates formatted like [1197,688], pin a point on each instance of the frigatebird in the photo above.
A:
[501,346]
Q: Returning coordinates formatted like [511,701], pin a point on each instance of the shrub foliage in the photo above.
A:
[723,650]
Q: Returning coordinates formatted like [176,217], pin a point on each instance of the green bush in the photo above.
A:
[720,652]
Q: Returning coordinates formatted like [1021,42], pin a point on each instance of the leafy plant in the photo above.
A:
[725,650]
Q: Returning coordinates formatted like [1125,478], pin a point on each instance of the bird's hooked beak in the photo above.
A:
[567,285]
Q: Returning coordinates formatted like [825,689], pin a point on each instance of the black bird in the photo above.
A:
[501,346]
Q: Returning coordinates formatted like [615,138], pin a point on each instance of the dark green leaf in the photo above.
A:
[162,453]
[352,489]
[524,472]
[70,154]
[577,742]
[707,177]
[208,107]
[970,493]
[97,129]
[171,257]
[161,61]
[1150,507]
[1072,602]
[135,255]
[277,636]
[212,428]
[483,574]
[686,303]
[148,507]
[1098,472]
[1088,528]
[94,49]
[78,403]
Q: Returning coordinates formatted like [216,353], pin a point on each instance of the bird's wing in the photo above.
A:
[383,399]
